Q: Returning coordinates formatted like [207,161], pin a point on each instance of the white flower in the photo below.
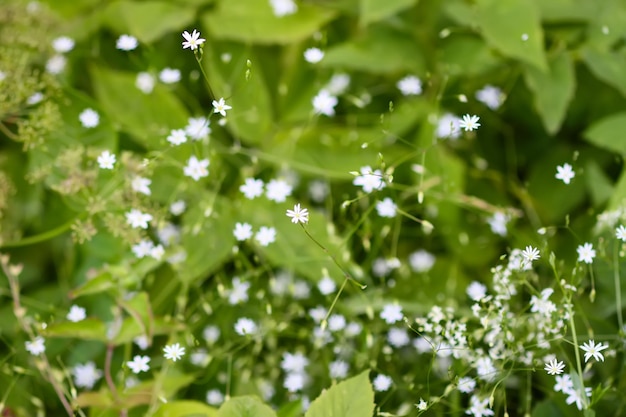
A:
[370,180]
[106,160]
[586,253]
[448,126]
[86,376]
[530,254]
[485,369]
[141,185]
[157,252]
[391,313]
[177,137]
[214,397]
[469,123]
[575,397]
[410,86]
[178,207]
[211,334]
[554,367]
[126,43]
[466,384]
[173,352]
[382,383]
[294,362]
[398,337]
[198,128]
[56,64]
[196,169]
[245,326]
[478,407]
[491,96]
[338,84]
[278,190]
[143,248]
[336,322]
[76,314]
[137,219]
[421,261]
[243,231]
[89,118]
[35,98]
[338,369]
[265,235]
[139,364]
[497,223]
[142,342]
[221,107]
[564,384]
[283,7]
[324,103]
[620,233]
[145,82]
[386,208]
[326,285]
[298,215]
[565,173]
[169,75]
[476,291]
[313,55]
[252,188]
[63,44]
[294,382]
[193,40]
[592,350]
[239,293]
[36,347]
[3,76]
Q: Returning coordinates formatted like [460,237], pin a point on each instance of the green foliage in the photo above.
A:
[339,400]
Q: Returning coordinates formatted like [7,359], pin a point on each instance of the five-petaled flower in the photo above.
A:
[554,367]
[586,253]
[173,352]
[469,123]
[298,215]
[139,364]
[592,350]
[220,107]
[193,40]
[565,173]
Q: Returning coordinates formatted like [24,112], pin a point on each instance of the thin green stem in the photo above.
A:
[579,369]
[618,288]
[42,237]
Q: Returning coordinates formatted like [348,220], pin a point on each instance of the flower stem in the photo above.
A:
[618,289]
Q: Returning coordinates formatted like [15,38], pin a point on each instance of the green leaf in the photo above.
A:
[465,55]
[140,310]
[131,329]
[185,409]
[148,20]
[608,133]
[607,66]
[254,21]
[245,406]
[553,90]
[372,53]
[148,117]
[599,185]
[352,397]
[373,10]
[504,22]
[89,329]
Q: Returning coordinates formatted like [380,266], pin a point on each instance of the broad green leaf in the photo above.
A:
[352,397]
[148,117]
[607,27]
[599,185]
[251,117]
[546,408]
[560,10]
[608,133]
[607,66]
[148,20]
[553,90]
[503,23]
[372,53]
[131,329]
[254,21]
[245,406]
[185,409]
[140,310]
[465,55]
[94,399]
[618,197]
[291,409]
[89,329]
[373,10]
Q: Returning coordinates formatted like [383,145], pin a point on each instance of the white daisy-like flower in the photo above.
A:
[554,367]
[369,179]
[491,96]
[593,351]
[221,107]
[565,173]
[265,235]
[283,7]
[586,253]
[193,40]
[139,364]
[382,383]
[620,233]
[278,190]
[391,313]
[145,82]
[76,314]
[243,231]
[530,254]
[298,215]
[198,128]
[86,375]
[245,326]
[89,118]
[410,86]
[196,168]
[252,188]
[63,44]
[386,208]
[313,55]
[137,219]
[36,347]
[141,185]
[324,103]
[173,352]
[56,64]
[169,75]
[469,123]
[126,43]
[106,160]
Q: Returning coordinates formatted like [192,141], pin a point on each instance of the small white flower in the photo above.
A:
[338,84]
[294,362]
[36,347]
[243,231]
[336,322]
[89,118]
[497,223]
[221,107]
[564,384]
[265,235]
[554,367]
[178,207]
[491,96]
[145,82]
[283,7]
[157,252]
[469,123]
[313,55]
[324,103]
[326,285]
[476,291]
[479,408]
[530,254]
[565,173]
[369,180]
[143,248]
[386,208]
[76,314]
[245,326]
[63,44]
[126,43]
[141,185]
[586,253]
[211,334]
[338,369]
[298,215]
[410,86]
[466,385]
[620,233]
[56,64]
[592,350]
[86,376]
[106,160]
[35,98]
[294,382]
[137,219]
[169,75]
[139,364]
[198,128]
[142,342]
[398,337]
[196,168]
[382,383]
[448,126]
[421,261]
[214,397]
[173,352]
[177,137]
[193,40]
[391,313]
[252,188]
[422,405]
[278,190]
